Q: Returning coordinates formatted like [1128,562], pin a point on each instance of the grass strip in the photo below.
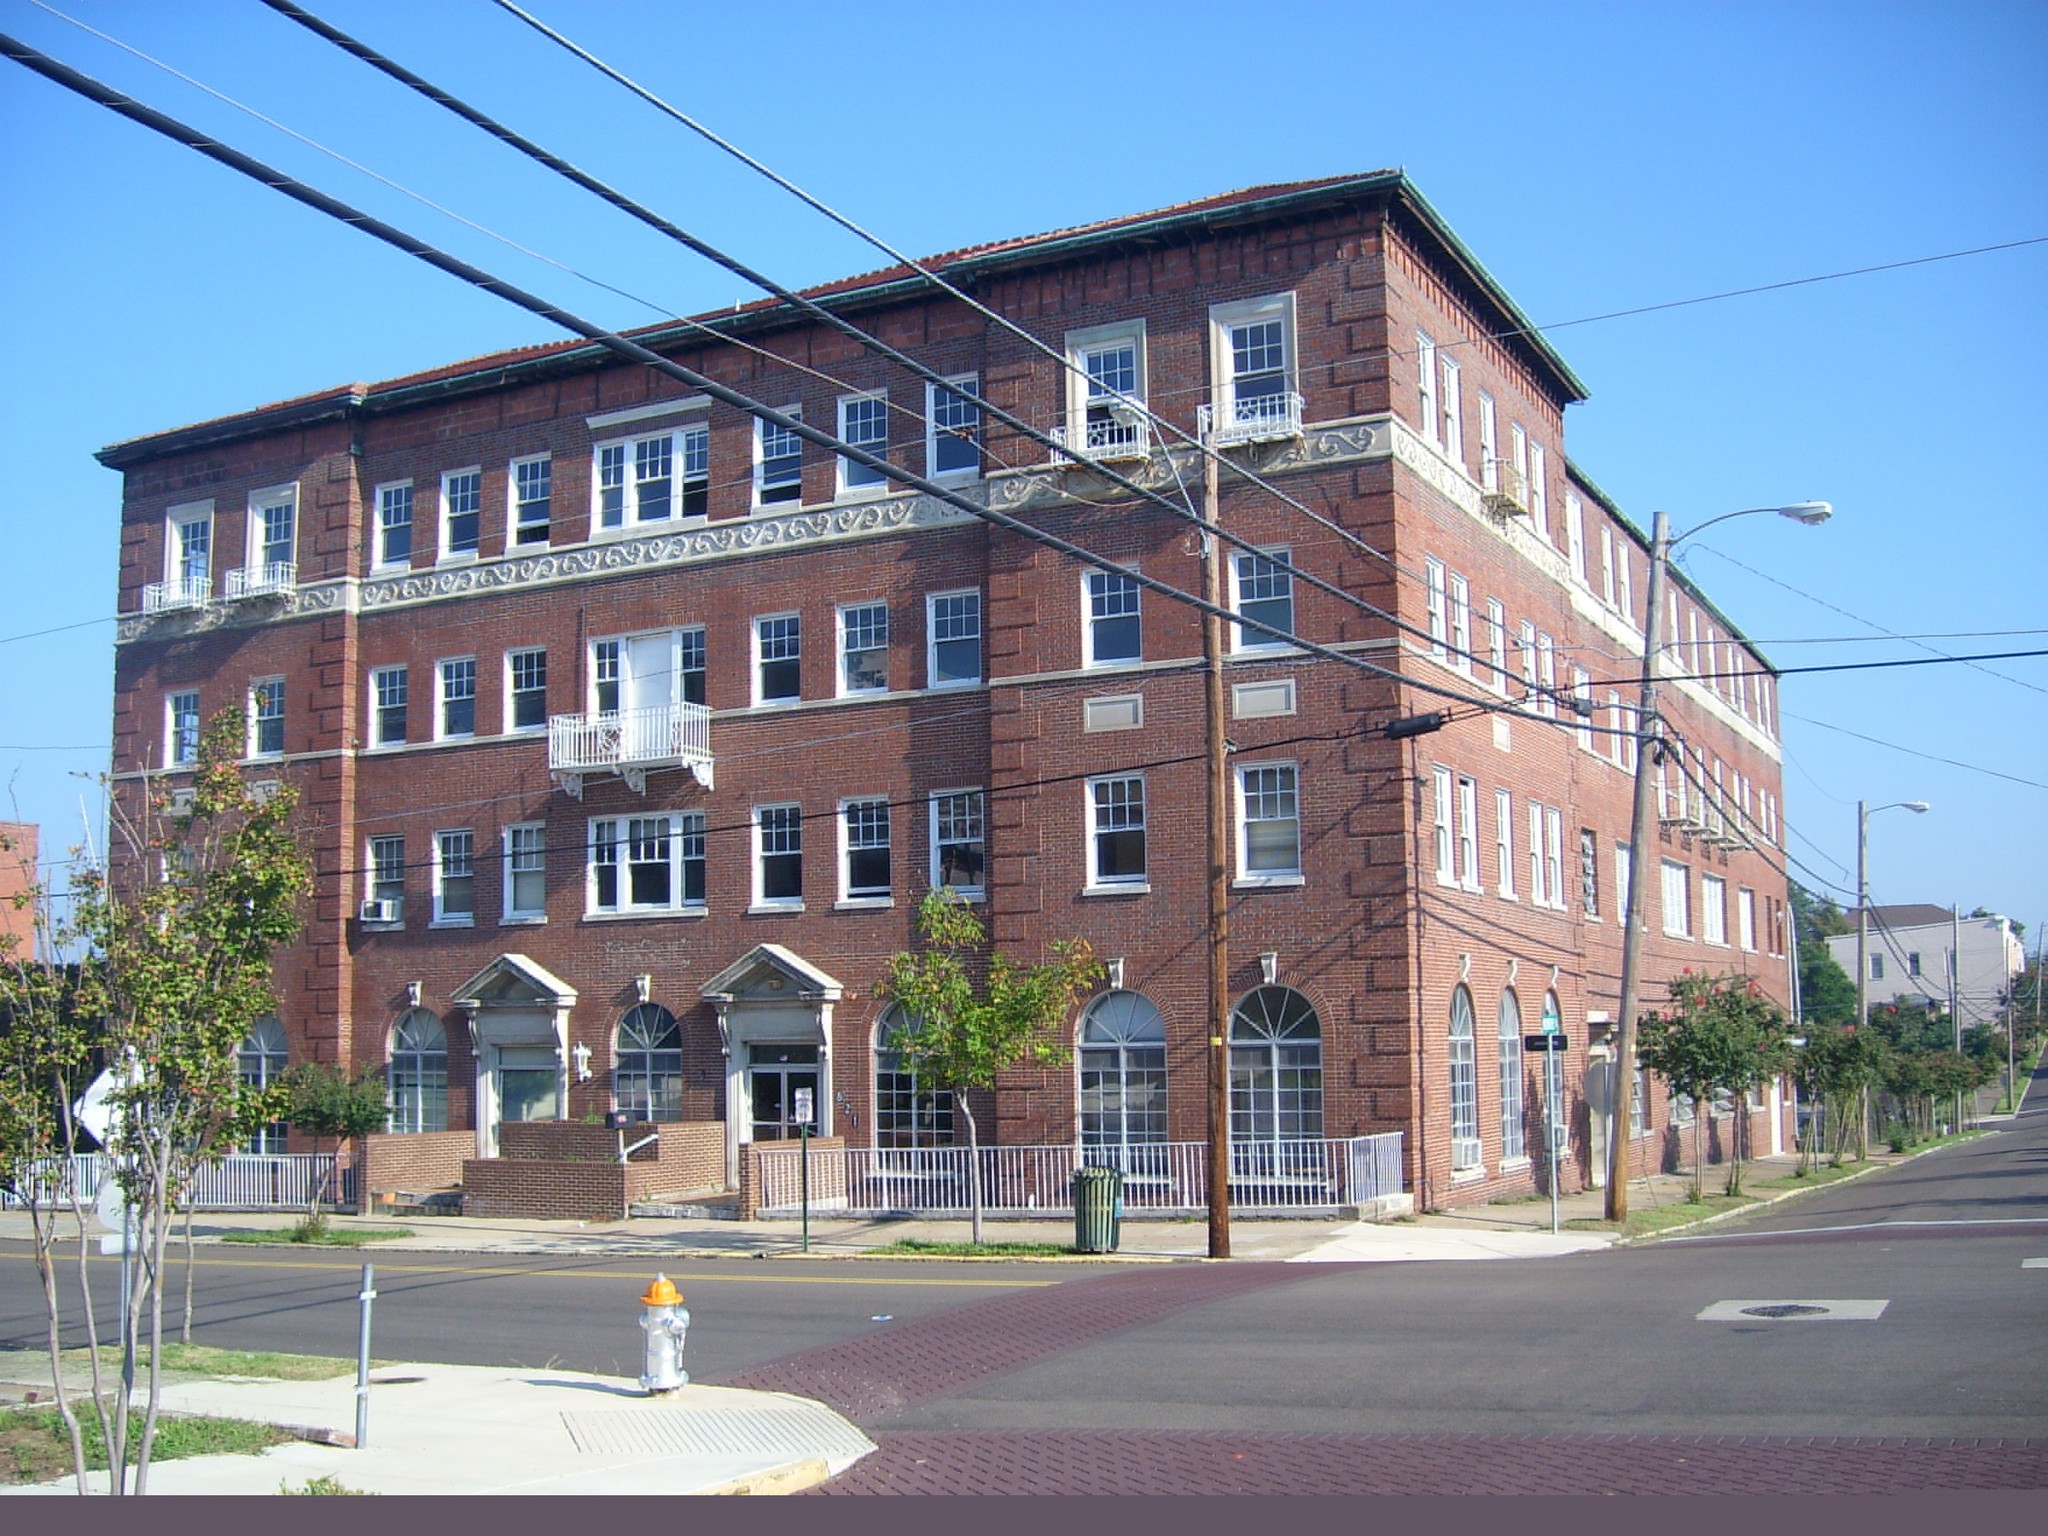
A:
[36,1448]
[922,1248]
[333,1237]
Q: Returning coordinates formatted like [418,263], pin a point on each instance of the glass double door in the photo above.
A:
[774,1074]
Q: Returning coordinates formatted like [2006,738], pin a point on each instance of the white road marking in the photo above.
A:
[1780,1309]
[2034,1263]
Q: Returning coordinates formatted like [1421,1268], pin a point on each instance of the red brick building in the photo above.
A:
[630,729]
[18,878]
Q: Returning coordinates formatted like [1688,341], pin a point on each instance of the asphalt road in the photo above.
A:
[1006,1360]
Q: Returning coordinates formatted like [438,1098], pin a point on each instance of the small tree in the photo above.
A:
[1720,1033]
[324,1101]
[179,933]
[1834,1070]
[962,1034]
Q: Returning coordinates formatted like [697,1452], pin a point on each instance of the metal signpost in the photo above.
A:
[366,1295]
[1551,1046]
[802,1103]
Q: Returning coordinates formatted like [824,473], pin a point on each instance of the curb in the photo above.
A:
[791,1477]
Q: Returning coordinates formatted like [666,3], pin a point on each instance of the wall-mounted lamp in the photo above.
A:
[581,1056]
[1269,967]
[412,993]
[1114,969]
[1514,971]
[1464,967]
[643,988]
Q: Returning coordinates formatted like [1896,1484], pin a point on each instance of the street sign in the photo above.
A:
[1542,1043]
[94,1111]
[800,1100]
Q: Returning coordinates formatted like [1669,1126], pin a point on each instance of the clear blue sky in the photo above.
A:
[1595,157]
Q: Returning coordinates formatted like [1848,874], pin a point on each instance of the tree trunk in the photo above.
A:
[46,1273]
[92,1342]
[185,1334]
[973,1166]
[1700,1115]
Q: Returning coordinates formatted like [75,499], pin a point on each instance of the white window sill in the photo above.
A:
[453,922]
[866,492]
[973,895]
[1514,1164]
[642,915]
[951,683]
[395,568]
[776,508]
[1267,882]
[861,693]
[1448,882]
[457,557]
[397,927]
[1469,885]
[1507,896]
[778,703]
[953,476]
[864,904]
[523,920]
[458,736]
[773,908]
[1467,1175]
[1130,888]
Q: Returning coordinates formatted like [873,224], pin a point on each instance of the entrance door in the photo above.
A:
[526,1083]
[649,694]
[775,1072]
[1599,1078]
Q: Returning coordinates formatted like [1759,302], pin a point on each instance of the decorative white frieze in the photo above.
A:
[314,598]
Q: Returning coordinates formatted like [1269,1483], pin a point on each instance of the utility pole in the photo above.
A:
[1862,966]
[1219,870]
[1647,737]
[1955,966]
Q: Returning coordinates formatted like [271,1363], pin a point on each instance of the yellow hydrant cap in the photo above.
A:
[662,1293]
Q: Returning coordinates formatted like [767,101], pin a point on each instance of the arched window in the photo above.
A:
[1276,1068]
[419,1073]
[906,1113]
[1512,1143]
[1123,1071]
[1465,1149]
[260,1063]
[647,1078]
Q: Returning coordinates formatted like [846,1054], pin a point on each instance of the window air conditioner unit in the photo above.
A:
[379,911]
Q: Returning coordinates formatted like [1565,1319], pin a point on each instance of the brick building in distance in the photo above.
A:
[19,841]
[630,729]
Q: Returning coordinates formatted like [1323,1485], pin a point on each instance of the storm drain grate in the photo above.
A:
[796,1431]
[1859,1310]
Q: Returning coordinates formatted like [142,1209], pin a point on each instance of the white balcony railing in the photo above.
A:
[170,596]
[277,579]
[629,742]
[1506,493]
[1108,440]
[1260,419]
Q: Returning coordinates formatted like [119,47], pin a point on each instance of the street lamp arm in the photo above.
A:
[1811,513]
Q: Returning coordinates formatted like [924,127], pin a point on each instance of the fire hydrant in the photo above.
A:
[666,1320]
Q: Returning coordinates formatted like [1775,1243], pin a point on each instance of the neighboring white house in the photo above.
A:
[1909,949]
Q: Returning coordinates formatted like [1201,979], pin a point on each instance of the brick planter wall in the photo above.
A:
[427,1160]
[560,1170]
[532,1189]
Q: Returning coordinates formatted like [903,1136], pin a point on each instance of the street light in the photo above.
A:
[1811,514]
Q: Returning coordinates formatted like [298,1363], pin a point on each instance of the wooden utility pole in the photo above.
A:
[1219,872]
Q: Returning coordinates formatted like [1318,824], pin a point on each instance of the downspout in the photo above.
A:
[1411,862]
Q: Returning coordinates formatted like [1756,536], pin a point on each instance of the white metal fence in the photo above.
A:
[243,1181]
[1169,1177]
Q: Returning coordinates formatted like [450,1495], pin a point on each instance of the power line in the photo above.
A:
[59,629]
[1911,752]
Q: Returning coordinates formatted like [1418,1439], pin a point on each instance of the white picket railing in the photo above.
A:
[650,736]
[276,578]
[1165,1177]
[1259,419]
[243,1181]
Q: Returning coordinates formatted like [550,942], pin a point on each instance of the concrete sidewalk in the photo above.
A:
[477,1429]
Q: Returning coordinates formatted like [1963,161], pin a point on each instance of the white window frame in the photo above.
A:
[762,500]
[1607,565]
[517,528]
[178,575]
[1623,871]
[181,746]
[1582,712]
[865,896]
[1223,318]
[388,496]
[445,551]
[1497,643]
[965,386]
[855,480]
[761,699]
[1539,479]
[1425,380]
[1446,826]
[1713,910]
[1453,437]
[1281,557]
[259,688]
[1553,859]
[1537,896]
[630,522]
[1287,792]
[1575,534]
[1489,443]
[1677,899]
[1435,578]
[376,721]
[1115,438]
[1546,675]
[1589,874]
[1461,624]
[781,811]
[846,687]
[933,639]
[255,557]
[513,692]
[442,698]
[1504,844]
[939,798]
[1093,600]
[678,828]
[1745,918]
[443,918]
[511,910]
[1468,832]
[1626,600]
[384,872]
[1096,880]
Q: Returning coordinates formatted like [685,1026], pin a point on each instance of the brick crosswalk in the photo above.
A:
[1137,1462]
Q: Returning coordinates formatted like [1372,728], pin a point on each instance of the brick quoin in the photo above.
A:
[1368,935]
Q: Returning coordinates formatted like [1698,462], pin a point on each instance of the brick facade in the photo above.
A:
[1358,271]
[18,878]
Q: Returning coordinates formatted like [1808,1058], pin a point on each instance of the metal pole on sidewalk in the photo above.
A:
[803,1139]
[1552,1087]
[366,1296]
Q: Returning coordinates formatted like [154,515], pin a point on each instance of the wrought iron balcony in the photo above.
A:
[1258,419]
[277,579]
[170,596]
[630,742]
[1108,440]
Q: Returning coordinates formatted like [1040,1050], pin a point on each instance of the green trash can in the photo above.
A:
[1098,1209]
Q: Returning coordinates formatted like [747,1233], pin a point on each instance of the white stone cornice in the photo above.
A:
[317,597]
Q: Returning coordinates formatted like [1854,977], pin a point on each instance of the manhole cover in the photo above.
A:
[1785,1309]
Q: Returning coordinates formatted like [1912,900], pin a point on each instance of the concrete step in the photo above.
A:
[700,1208]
